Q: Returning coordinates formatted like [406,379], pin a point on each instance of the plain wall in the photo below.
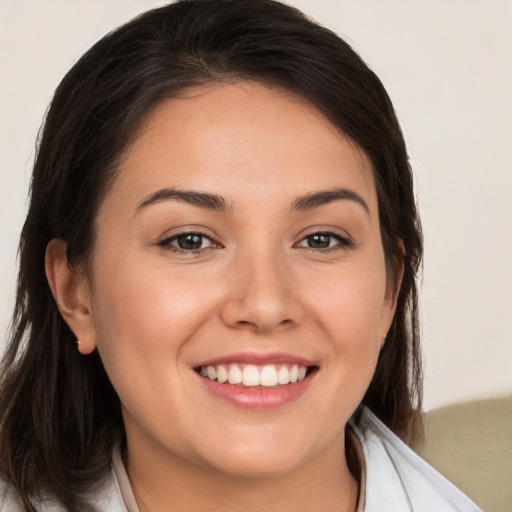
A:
[447,66]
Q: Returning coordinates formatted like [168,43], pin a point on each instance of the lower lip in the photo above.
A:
[258,398]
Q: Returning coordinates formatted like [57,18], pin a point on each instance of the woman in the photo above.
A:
[216,304]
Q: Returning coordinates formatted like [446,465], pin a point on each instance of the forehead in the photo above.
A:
[238,136]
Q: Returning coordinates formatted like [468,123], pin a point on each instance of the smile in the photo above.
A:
[250,375]
[255,381]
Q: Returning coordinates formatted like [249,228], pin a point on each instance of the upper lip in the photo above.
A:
[257,359]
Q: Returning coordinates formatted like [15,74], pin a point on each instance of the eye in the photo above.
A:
[188,242]
[324,241]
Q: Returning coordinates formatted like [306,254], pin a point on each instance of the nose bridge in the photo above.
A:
[261,293]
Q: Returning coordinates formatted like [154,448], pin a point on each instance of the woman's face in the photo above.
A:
[240,241]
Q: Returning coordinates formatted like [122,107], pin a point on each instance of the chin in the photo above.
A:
[261,456]
[259,465]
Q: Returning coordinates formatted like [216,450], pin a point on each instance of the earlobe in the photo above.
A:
[70,290]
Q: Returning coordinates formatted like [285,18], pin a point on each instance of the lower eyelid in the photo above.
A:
[342,242]
[168,241]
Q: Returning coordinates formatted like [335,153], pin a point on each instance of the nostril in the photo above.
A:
[261,312]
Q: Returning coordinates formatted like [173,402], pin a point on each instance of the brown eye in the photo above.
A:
[319,241]
[324,241]
[188,242]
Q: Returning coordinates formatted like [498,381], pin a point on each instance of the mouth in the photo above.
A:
[256,376]
[257,381]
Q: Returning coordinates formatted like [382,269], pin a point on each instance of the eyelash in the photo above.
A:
[168,242]
[172,242]
[341,242]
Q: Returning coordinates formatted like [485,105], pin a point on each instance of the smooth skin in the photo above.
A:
[266,271]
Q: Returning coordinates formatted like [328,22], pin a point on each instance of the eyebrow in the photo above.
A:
[217,203]
[202,199]
[316,199]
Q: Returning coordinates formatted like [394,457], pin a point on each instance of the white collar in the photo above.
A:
[398,480]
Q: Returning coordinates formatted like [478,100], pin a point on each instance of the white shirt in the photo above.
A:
[398,480]
[394,479]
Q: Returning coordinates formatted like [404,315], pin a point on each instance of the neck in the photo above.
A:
[163,482]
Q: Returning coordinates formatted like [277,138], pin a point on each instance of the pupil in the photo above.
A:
[190,241]
[319,241]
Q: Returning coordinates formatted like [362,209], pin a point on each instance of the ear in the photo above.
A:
[393,289]
[70,290]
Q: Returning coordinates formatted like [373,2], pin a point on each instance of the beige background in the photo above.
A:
[447,65]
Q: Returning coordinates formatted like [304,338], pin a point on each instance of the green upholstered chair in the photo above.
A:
[471,444]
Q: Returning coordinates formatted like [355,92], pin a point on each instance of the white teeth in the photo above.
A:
[283,377]
[222,374]
[251,375]
[234,375]
[268,376]
[294,373]
[212,374]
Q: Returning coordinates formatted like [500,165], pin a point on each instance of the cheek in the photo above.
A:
[144,320]
[351,303]
[347,307]
[351,310]
[144,316]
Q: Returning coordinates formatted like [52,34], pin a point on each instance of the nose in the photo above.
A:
[262,295]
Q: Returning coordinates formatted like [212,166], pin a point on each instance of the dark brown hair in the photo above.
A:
[59,415]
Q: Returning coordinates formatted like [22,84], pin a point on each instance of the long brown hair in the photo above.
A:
[59,415]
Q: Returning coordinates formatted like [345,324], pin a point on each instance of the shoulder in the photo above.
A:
[107,496]
[11,502]
[398,480]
